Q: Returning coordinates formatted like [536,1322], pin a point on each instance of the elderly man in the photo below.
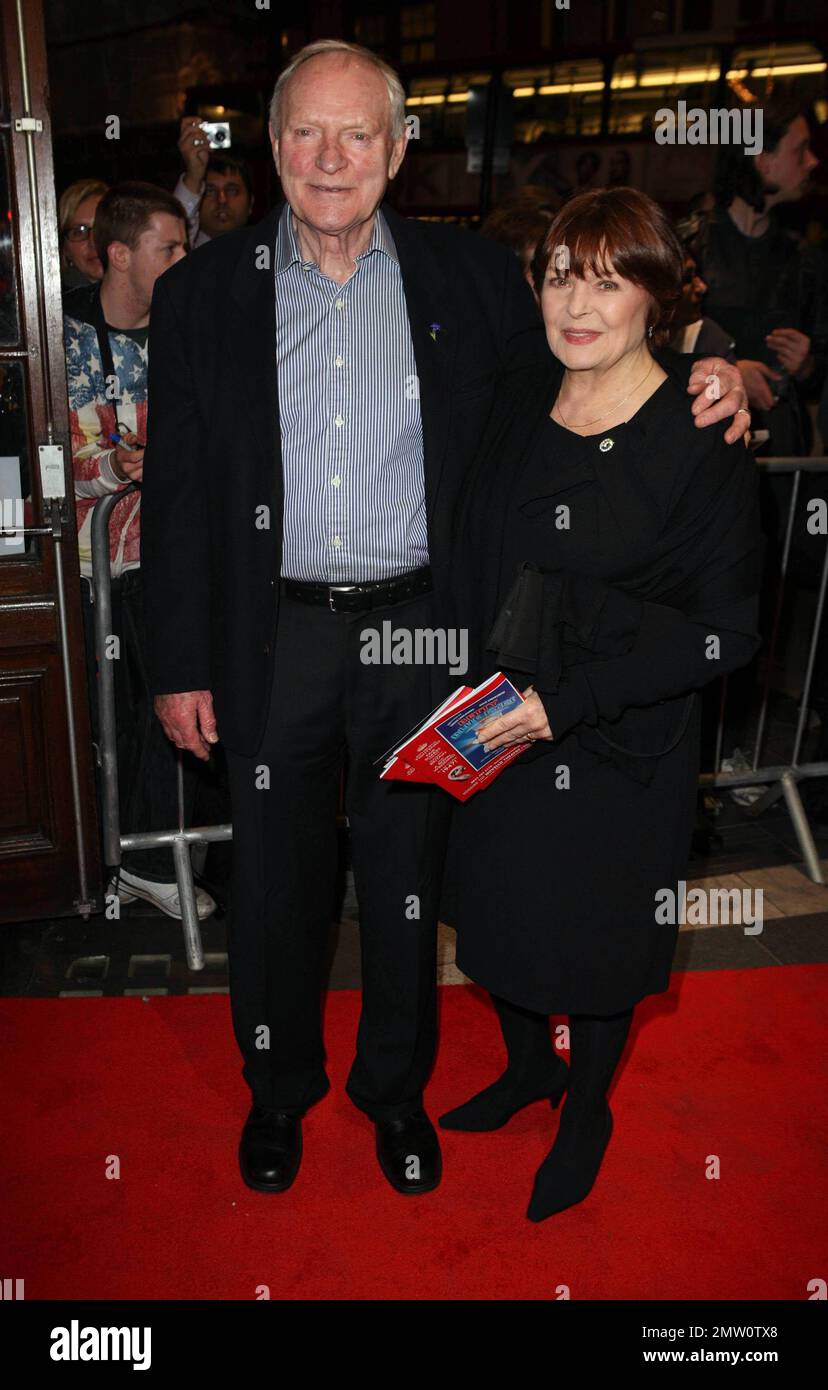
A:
[320,383]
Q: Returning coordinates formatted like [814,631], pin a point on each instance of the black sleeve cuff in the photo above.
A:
[564,707]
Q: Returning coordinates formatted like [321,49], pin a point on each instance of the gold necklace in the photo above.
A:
[613,408]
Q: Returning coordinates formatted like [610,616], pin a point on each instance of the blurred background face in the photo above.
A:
[592,321]
[225,204]
[693,286]
[786,171]
[160,245]
[78,246]
[334,154]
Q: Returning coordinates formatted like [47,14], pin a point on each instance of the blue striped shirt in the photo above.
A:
[349,413]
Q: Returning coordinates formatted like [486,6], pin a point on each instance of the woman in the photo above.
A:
[692,331]
[80,263]
[611,550]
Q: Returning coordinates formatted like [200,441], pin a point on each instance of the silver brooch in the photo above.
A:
[606,444]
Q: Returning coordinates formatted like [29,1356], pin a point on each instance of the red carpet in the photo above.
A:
[728,1063]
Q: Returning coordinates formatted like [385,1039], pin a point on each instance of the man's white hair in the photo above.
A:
[396,92]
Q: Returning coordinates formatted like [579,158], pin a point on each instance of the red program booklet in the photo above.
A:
[444,749]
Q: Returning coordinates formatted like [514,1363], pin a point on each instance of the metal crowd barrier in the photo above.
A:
[114,842]
[782,779]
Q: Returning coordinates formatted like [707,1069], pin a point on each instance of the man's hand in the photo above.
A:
[793,350]
[759,381]
[126,461]
[188,720]
[195,152]
[522,725]
[720,393]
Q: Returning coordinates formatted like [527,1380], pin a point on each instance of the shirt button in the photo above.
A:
[336,481]
[339,361]
[340,304]
[337,541]
[338,420]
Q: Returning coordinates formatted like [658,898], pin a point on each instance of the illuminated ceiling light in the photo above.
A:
[524,91]
[789,69]
[678,75]
[623,82]
[458,96]
[560,88]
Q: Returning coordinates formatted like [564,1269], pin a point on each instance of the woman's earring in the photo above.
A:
[650,331]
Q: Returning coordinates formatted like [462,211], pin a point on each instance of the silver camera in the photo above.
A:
[218,134]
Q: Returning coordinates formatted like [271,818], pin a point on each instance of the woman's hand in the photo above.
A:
[522,725]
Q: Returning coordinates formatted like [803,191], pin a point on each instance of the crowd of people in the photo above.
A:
[663,546]
[752,293]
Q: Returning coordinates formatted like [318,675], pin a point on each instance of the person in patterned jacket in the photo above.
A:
[139,231]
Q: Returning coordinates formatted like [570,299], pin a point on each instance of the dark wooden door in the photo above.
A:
[49,857]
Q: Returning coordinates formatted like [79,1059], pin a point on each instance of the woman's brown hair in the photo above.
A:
[623,229]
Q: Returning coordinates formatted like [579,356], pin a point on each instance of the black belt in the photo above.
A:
[360,598]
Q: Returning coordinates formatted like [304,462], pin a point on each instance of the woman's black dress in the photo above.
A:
[557,864]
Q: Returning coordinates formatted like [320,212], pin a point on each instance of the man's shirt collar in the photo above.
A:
[287,245]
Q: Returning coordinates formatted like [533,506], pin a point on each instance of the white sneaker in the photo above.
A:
[162,895]
[743,796]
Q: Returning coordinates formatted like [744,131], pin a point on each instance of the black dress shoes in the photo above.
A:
[270,1150]
[409,1153]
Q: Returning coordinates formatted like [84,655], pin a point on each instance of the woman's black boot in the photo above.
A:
[570,1168]
[534,1072]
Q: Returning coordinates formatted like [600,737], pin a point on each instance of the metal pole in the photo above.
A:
[83,903]
[801,826]
[783,570]
[102,591]
[809,669]
[184,877]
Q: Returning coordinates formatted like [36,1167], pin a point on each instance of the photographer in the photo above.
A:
[215,190]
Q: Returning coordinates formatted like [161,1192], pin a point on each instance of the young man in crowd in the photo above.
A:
[140,231]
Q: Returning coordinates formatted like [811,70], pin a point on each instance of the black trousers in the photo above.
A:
[327,705]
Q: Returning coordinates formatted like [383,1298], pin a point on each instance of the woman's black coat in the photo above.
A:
[554,869]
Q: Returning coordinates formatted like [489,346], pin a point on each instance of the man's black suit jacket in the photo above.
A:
[213,469]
